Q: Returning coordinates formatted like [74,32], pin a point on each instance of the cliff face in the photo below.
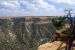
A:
[25,33]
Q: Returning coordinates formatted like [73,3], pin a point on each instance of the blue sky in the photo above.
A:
[35,7]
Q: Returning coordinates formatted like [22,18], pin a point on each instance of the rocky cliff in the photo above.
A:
[25,33]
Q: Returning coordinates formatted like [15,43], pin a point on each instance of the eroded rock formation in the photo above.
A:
[25,33]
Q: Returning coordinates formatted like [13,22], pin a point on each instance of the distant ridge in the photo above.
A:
[7,17]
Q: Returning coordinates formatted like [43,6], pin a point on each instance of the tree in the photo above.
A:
[58,21]
[71,38]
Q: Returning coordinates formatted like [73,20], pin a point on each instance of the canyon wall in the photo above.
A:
[25,33]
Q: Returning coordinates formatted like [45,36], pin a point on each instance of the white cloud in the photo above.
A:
[64,1]
[33,7]
[11,5]
[40,7]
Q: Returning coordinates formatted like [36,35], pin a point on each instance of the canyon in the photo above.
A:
[25,33]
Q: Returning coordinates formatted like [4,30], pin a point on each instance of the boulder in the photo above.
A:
[56,45]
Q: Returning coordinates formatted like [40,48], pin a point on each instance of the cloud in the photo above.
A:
[40,7]
[10,8]
[28,8]
[9,4]
[71,2]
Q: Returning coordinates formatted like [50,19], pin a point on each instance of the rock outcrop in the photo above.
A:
[56,45]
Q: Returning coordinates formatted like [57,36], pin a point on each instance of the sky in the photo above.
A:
[35,7]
